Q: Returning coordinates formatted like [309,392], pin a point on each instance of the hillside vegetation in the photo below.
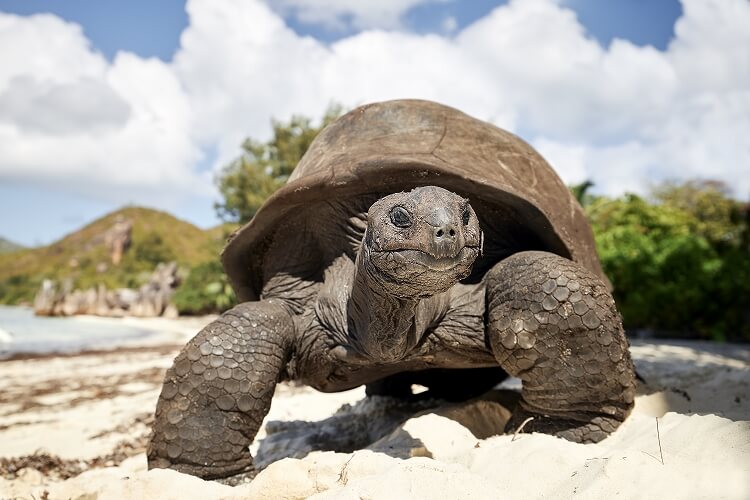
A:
[85,257]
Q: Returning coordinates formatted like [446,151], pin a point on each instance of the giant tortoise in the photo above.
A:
[412,244]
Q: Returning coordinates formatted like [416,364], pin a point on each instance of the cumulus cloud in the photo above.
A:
[240,65]
[682,113]
[118,131]
[87,105]
[623,116]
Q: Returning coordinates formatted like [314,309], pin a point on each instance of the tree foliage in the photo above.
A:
[263,167]
[152,250]
[715,215]
[205,290]
[679,266]
[18,289]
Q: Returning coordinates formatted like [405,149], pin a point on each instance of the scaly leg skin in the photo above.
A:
[217,392]
[554,325]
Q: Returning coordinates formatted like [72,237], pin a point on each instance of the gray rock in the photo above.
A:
[152,299]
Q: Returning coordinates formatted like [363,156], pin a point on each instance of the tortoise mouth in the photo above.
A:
[408,256]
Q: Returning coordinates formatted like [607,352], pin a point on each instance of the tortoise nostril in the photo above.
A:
[446,232]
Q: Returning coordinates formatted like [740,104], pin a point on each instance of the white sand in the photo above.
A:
[81,407]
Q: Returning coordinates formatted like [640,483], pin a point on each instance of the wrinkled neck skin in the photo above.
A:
[385,325]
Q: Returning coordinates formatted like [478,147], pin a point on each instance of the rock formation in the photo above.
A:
[118,238]
[151,299]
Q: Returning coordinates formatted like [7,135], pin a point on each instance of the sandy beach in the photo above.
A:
[76,426]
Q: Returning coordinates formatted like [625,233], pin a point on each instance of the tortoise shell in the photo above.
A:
[397,145]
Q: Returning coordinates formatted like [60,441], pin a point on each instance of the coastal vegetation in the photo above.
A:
[679,259]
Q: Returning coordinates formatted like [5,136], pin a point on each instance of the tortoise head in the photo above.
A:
[422,242]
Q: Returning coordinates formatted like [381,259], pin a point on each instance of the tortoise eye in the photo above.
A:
[400,217]
[466,216]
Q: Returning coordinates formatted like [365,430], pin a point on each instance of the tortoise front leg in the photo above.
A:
[554,325]
[218,390]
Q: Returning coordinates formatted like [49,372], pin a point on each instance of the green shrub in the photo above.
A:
[204,290]
[18,288]
[676,271]
[151,250]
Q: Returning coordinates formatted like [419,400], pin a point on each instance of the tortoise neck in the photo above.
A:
[384,325]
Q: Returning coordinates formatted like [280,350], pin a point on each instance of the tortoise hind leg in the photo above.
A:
[554,325]
[218,390]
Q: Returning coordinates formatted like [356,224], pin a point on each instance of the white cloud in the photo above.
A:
[68,108]
[569,160]
[118,131]
[46,48]
[240,65]
[622,116]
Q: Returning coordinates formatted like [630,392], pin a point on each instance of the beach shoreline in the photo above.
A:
[26,336]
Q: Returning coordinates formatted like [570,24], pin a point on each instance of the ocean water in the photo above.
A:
[21,331]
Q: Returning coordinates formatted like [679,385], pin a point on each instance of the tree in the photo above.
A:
[206,289]
[718,217]
[262,168]
[151,249]
[673,267]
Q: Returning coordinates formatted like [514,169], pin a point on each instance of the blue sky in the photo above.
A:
[598,109]
[152,29]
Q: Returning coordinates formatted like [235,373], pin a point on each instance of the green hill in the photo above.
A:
[85,256]
[7,246]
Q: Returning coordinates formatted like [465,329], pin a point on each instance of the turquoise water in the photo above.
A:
[21,331]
